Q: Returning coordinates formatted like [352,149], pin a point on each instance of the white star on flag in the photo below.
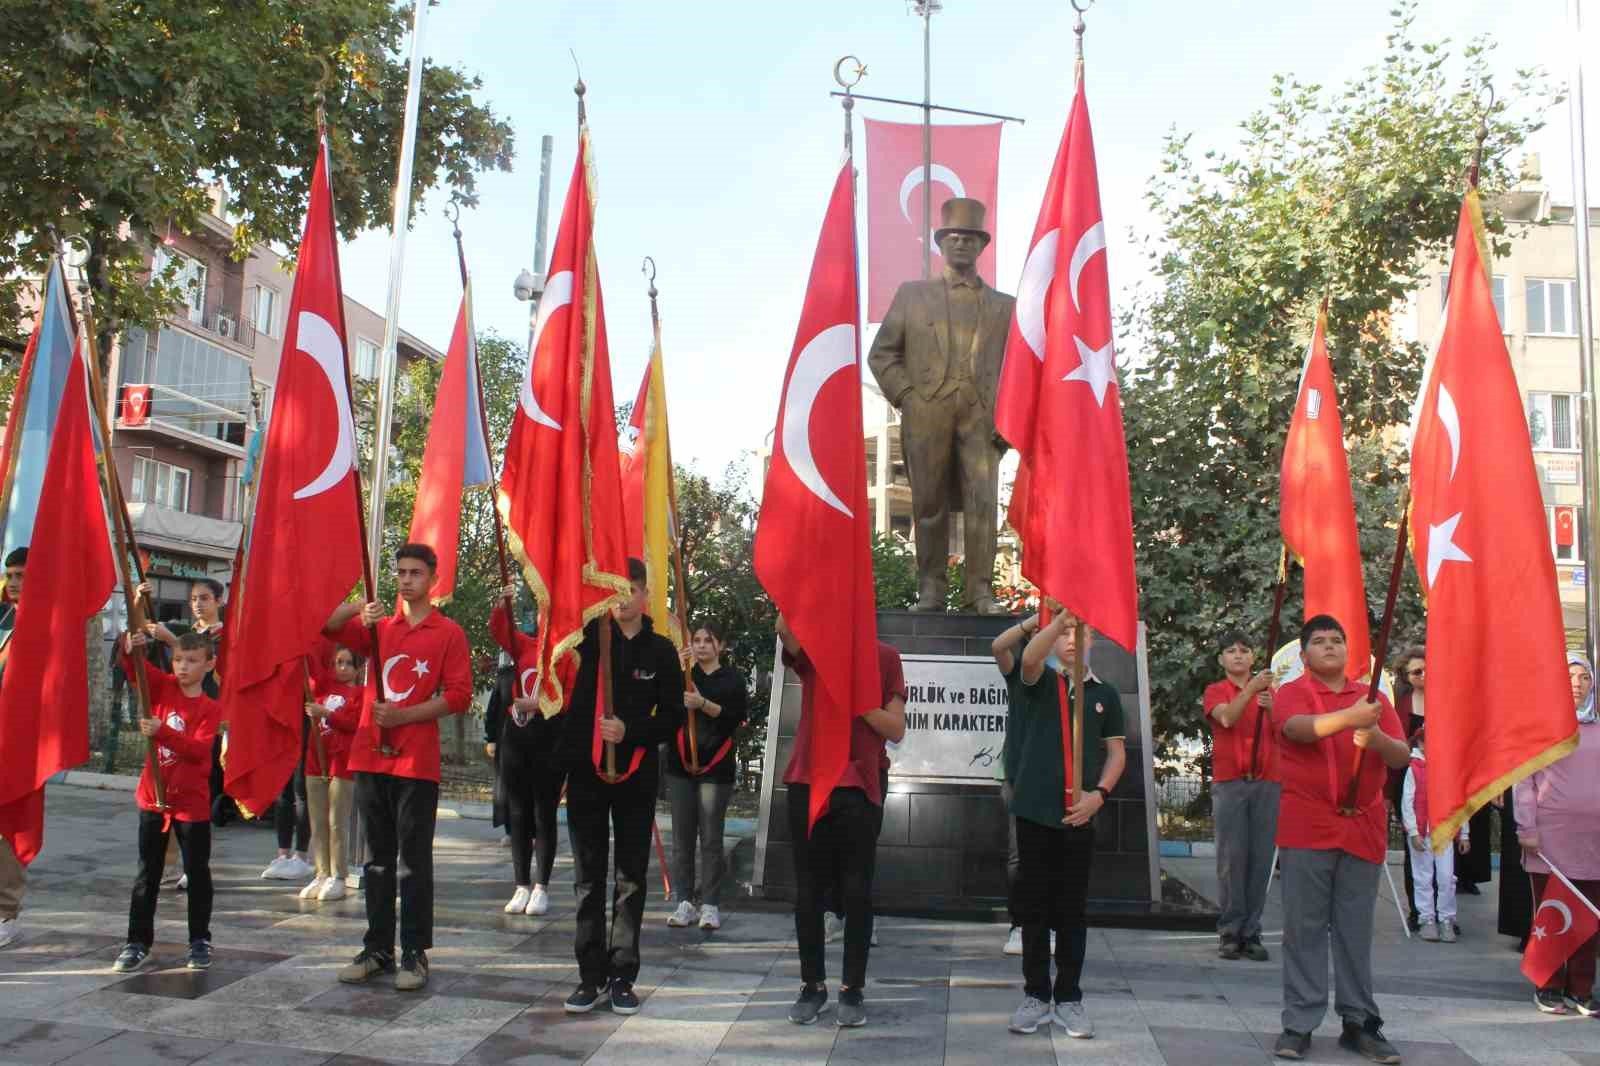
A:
[1442,548]
[421,668]
[1095,370]
[1539,932]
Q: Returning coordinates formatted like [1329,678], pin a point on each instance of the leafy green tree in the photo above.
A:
[116,119]
[1342,195]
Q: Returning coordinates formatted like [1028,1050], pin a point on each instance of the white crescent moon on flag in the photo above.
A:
[824,355]
[1450,418]
[1562,909]
[527,686]
[315,337]
[1092,241]
[557,294]
[937,172]
[1037,274]
[395,697]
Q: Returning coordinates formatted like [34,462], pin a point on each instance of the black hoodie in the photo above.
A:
[647,684]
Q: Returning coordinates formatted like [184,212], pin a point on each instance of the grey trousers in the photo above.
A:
[1246,816]
[699,808]
[12,880]
[1327,893]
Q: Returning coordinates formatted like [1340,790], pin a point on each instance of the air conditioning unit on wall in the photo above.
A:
[226,326]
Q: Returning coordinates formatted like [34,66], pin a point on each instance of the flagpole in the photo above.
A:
[399,222]
[926,8]
[1589,424]
[1274,631]
[124,543]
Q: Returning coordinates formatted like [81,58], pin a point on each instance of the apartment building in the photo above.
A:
[189,394]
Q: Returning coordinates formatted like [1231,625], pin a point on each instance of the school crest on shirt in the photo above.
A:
[644,675]
[166,755]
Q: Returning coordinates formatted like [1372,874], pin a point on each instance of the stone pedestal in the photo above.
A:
[943,847]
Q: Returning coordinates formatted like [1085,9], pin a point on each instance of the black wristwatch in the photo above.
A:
[1105,793]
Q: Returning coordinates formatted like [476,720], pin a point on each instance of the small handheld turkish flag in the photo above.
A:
[1562,923]
[812,552]
[1566,526]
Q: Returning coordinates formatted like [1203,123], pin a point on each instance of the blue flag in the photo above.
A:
[34,410]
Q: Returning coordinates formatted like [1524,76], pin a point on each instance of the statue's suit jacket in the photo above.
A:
[912,348]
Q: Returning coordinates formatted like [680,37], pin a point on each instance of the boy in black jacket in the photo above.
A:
[647,689]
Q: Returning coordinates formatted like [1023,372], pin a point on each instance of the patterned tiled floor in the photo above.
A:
[940,992]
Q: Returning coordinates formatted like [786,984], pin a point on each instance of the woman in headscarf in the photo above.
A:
[1558,824]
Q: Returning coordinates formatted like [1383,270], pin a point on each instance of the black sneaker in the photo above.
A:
[623,1001]
[1292,1045]
[1254,950]
[1367,1040]
[1228,948]
[367,965]
[852,1012]
[812,1001]
[1548,1001]
[199,957]
[583,999]
[132,958]
[413,975]
[1589,1007]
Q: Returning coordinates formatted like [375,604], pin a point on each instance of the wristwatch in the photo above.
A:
[1105,793]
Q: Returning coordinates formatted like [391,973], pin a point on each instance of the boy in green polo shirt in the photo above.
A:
[1055,843]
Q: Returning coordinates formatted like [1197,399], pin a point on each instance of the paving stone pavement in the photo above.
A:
[940,992]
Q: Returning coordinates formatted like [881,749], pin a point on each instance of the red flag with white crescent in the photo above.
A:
[561,490]
[966,162]
[304,552]
[1499,696]
[812,547]
[1060,406]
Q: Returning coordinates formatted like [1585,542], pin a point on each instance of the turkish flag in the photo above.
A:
[304,553]
[1562,923]
[813,550]
[1499,700]
[1566,526]
[560,490]
[456,456]
[966,162]
[44,690]
[1060,406]
[1317,509]
[135,405]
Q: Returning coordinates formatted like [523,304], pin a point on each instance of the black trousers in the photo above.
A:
[532,790]
[1052,885]
[596,810]
[194,841]
[291,817]
[834,863]
[398,814]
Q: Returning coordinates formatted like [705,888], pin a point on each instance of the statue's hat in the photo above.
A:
[961,214]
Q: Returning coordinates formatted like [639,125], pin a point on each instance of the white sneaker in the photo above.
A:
[1074,1018]
[10,931]
[312,890]
[686,915]
[183,883]
[1014,943]
[332,888]
[1032,1014]
[832,927]
[275,868]
[710,917]
[519,900]
[538,901]
[296,868]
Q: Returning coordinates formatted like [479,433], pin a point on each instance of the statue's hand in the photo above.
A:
[1000,444]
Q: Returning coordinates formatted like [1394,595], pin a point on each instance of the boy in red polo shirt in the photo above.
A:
[1244,796]
[1330,856]
[182,721]
[423,667]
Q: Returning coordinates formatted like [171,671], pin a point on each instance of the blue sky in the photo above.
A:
[716,143]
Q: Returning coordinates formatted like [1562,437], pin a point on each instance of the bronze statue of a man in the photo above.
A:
[937,359]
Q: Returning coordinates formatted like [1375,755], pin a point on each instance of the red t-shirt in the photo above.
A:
[183,747]
[868,758]
[1232,746]
[336,730]
[1315,776]
[419,662]
[517,644]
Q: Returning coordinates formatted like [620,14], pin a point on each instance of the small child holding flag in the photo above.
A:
[1429,872]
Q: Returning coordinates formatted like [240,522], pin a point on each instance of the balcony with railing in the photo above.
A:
[199,391]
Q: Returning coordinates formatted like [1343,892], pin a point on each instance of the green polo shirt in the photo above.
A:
[1034,761]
